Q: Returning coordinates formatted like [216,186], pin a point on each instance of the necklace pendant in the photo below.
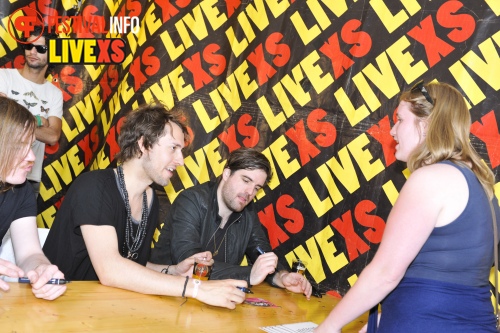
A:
[132,256]
[215,253]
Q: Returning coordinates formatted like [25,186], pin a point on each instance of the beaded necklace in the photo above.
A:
[132,243]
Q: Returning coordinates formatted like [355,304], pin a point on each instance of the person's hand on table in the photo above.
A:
[39,278]
[262,267]
[222,293]
[296,283]
[11,270]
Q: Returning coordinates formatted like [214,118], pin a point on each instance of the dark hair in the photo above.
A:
[249,159]
[147,122]
[16,123]
[42,31]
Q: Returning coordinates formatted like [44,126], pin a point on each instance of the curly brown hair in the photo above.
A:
[147,122]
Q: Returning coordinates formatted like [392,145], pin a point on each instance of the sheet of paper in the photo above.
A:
[305,327]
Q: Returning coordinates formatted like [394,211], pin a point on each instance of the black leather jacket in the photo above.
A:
[190,225]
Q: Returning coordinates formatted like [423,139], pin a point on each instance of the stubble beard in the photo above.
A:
[153,175]
[232,204]
[36,66]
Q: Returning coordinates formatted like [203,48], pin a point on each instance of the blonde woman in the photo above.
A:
[432,267]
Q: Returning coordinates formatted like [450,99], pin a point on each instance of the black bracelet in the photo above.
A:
[185,284]
[165,270]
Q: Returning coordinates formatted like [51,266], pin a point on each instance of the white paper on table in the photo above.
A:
[305,327]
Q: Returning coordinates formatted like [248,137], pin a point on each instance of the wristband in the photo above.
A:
[196,283]
[185,284]
[165,270]
[38,121]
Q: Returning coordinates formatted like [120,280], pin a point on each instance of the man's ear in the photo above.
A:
[141,145]
[226,173]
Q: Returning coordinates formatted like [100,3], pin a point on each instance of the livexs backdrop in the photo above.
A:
[312,84]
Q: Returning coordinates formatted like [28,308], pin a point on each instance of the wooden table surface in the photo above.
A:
[90,306]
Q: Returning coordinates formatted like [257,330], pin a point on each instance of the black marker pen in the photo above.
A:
[245,290]
[51,281]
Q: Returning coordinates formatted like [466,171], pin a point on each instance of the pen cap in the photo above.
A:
[259,250]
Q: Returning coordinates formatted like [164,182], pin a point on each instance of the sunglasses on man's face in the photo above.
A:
[39,48]
[419,87]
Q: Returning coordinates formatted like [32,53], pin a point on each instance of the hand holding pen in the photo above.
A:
[51,281]
[259,249]
[245,290]
[46,280]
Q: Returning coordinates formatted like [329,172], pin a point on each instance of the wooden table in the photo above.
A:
[90,306]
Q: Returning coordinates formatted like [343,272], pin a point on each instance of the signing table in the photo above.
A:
[90,306]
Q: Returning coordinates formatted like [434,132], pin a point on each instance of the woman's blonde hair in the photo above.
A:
[448,129]
[17,127]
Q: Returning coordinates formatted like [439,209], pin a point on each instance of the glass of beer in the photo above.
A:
[298,266]
[202,268]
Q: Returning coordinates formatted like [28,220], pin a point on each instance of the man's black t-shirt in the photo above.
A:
[93,199]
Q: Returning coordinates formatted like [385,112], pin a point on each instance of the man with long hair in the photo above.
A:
[18,203]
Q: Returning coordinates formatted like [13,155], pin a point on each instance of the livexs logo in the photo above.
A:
[86,51]
[81,50]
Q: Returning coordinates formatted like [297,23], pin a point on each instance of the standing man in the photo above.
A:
[104,228]
[28,86]
[219,217]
